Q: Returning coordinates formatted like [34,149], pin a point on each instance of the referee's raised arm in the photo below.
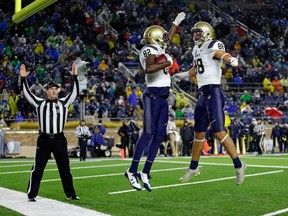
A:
[75,88]
[32,99]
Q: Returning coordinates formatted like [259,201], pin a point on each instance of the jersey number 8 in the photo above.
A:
[199,66]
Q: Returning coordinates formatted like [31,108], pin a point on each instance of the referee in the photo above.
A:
[83,133]
[52,115]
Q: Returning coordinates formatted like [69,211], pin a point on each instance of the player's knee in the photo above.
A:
[221,136]
[159,137]
[199,137]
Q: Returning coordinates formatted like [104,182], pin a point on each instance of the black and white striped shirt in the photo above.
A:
[52,115]
[83,131]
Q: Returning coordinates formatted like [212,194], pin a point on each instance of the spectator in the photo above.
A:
[187,137]
[97,140]
[284,82]
[134,130]
[182,100]
[277,85]
[123,132]
[63,91]
[138,92]
[224,83]
[37,88]
[171,112]
[171,128]
[128,90]
[172,98]
[13,99]
[238,81]
[132,99]
[19,117]
[103,66]
[246,110]
[234,129]
[256,62]
[276,136]
[246,97]
[102,129]
[121,114]
[5,94]
[267,84]
[284,137]
[188,112]
[138,112]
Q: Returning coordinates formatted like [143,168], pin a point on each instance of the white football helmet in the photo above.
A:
[206,32]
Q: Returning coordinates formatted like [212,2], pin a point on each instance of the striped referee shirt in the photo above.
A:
[83,131]
[52,115]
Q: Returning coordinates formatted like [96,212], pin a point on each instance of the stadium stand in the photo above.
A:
[104,39]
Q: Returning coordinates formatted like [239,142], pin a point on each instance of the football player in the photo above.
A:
[154,99]
[208,55]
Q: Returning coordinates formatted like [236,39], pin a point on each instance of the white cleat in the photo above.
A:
[240,174]
[132,177]
[144,177]
[189,174]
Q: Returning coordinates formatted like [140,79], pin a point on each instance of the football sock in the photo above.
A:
[147,167]
[152,152]
[193,164]
[143,141]
[237,162]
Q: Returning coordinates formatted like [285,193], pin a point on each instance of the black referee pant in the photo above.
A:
[83,148]
[57,144]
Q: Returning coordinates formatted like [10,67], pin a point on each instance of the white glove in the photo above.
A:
[169,58]
[233,61]
[181,76]
[180,17]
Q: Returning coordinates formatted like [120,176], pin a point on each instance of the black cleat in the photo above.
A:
[73,198]
[32,199]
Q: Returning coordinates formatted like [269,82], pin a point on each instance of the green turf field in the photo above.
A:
[101,185]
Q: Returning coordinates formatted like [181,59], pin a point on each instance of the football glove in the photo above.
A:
[181,76]
[180,17]
[233,61]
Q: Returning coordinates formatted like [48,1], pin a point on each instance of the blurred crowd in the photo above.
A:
[67,31]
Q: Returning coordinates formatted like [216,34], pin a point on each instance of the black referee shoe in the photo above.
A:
[32,199]
[73,198]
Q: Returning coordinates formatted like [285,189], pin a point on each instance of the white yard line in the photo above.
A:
[224,164]
[17,201]
[113,174]
[74,160]
[72,168]
[199,182]
[276,212]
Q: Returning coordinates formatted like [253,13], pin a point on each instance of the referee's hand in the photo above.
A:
[23,72]
[74,69]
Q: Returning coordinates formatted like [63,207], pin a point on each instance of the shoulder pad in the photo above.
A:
[150,49]
[216,45]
